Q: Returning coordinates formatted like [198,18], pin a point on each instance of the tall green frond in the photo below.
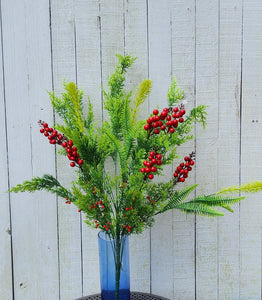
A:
[175,94]
[141,94]
[250,187]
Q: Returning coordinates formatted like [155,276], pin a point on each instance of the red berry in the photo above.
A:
[68,150]
[72,164]
[80,162]
[74,149]
[186,158]
[149,164]
[147,126]
[156,131]
[163,114]
[177,115]
[191,162]
[47,129]
[168,123]
[175,109]
[150,176]
[185,176]
[175,174]
[51,129]
[157,118]
[42,130]
[189,169]
[72,158]
[182,179]
[142,170]
[153,161]
[175,122]
[171,130]
[182,112]
[163,127]
[45,125]
[155,124]
[181,120]
[155,112]
[165,109]
[70,143]
[147,170]
[150,157]
[64,144]
[46,134]
[152,153]
[145,163]
[182,165]
[154,169]
[168,118]
[179,168]
[159,162]
[182,171]
[60,137]
[158,156]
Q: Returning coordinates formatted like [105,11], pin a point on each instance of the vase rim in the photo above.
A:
[105,237]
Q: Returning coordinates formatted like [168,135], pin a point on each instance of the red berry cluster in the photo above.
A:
[98,204]
[183,169]
[128,228]
[72,153]
[58,138]
[150,168]
[53,136]
[166,121]
[67,201]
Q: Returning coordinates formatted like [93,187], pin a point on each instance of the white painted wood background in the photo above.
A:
[214,48]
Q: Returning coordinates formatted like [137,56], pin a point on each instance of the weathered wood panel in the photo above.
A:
[229,87]
[207,20]
[251,145]
[27,63]
[6,281]
[136,45]
[183,68]
[159,55]
[69,220]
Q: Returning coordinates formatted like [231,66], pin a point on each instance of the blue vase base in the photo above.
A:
[110,295]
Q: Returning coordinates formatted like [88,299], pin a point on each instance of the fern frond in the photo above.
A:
[198,209]
[177,198]
[216,200]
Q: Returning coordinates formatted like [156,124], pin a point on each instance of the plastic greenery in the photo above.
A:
[125,199]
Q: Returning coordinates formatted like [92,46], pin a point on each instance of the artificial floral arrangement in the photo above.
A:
[125,200]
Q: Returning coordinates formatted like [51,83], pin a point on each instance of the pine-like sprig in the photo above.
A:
[46,182]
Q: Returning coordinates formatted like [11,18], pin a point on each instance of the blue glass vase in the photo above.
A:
[114,267]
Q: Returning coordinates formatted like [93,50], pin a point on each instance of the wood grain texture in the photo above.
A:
[6,282]
[135,18]
[183,68]
[69,220]
[27,62]
[251,128]
[207,15]
[159,52]
[230,35]
[88,54]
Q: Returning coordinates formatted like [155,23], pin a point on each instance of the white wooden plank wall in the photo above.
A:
[214,49]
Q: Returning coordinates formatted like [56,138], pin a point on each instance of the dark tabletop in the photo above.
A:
[134,296]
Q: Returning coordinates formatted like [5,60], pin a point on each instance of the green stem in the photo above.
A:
[117,265]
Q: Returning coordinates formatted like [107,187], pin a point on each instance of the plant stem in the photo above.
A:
[117,265]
